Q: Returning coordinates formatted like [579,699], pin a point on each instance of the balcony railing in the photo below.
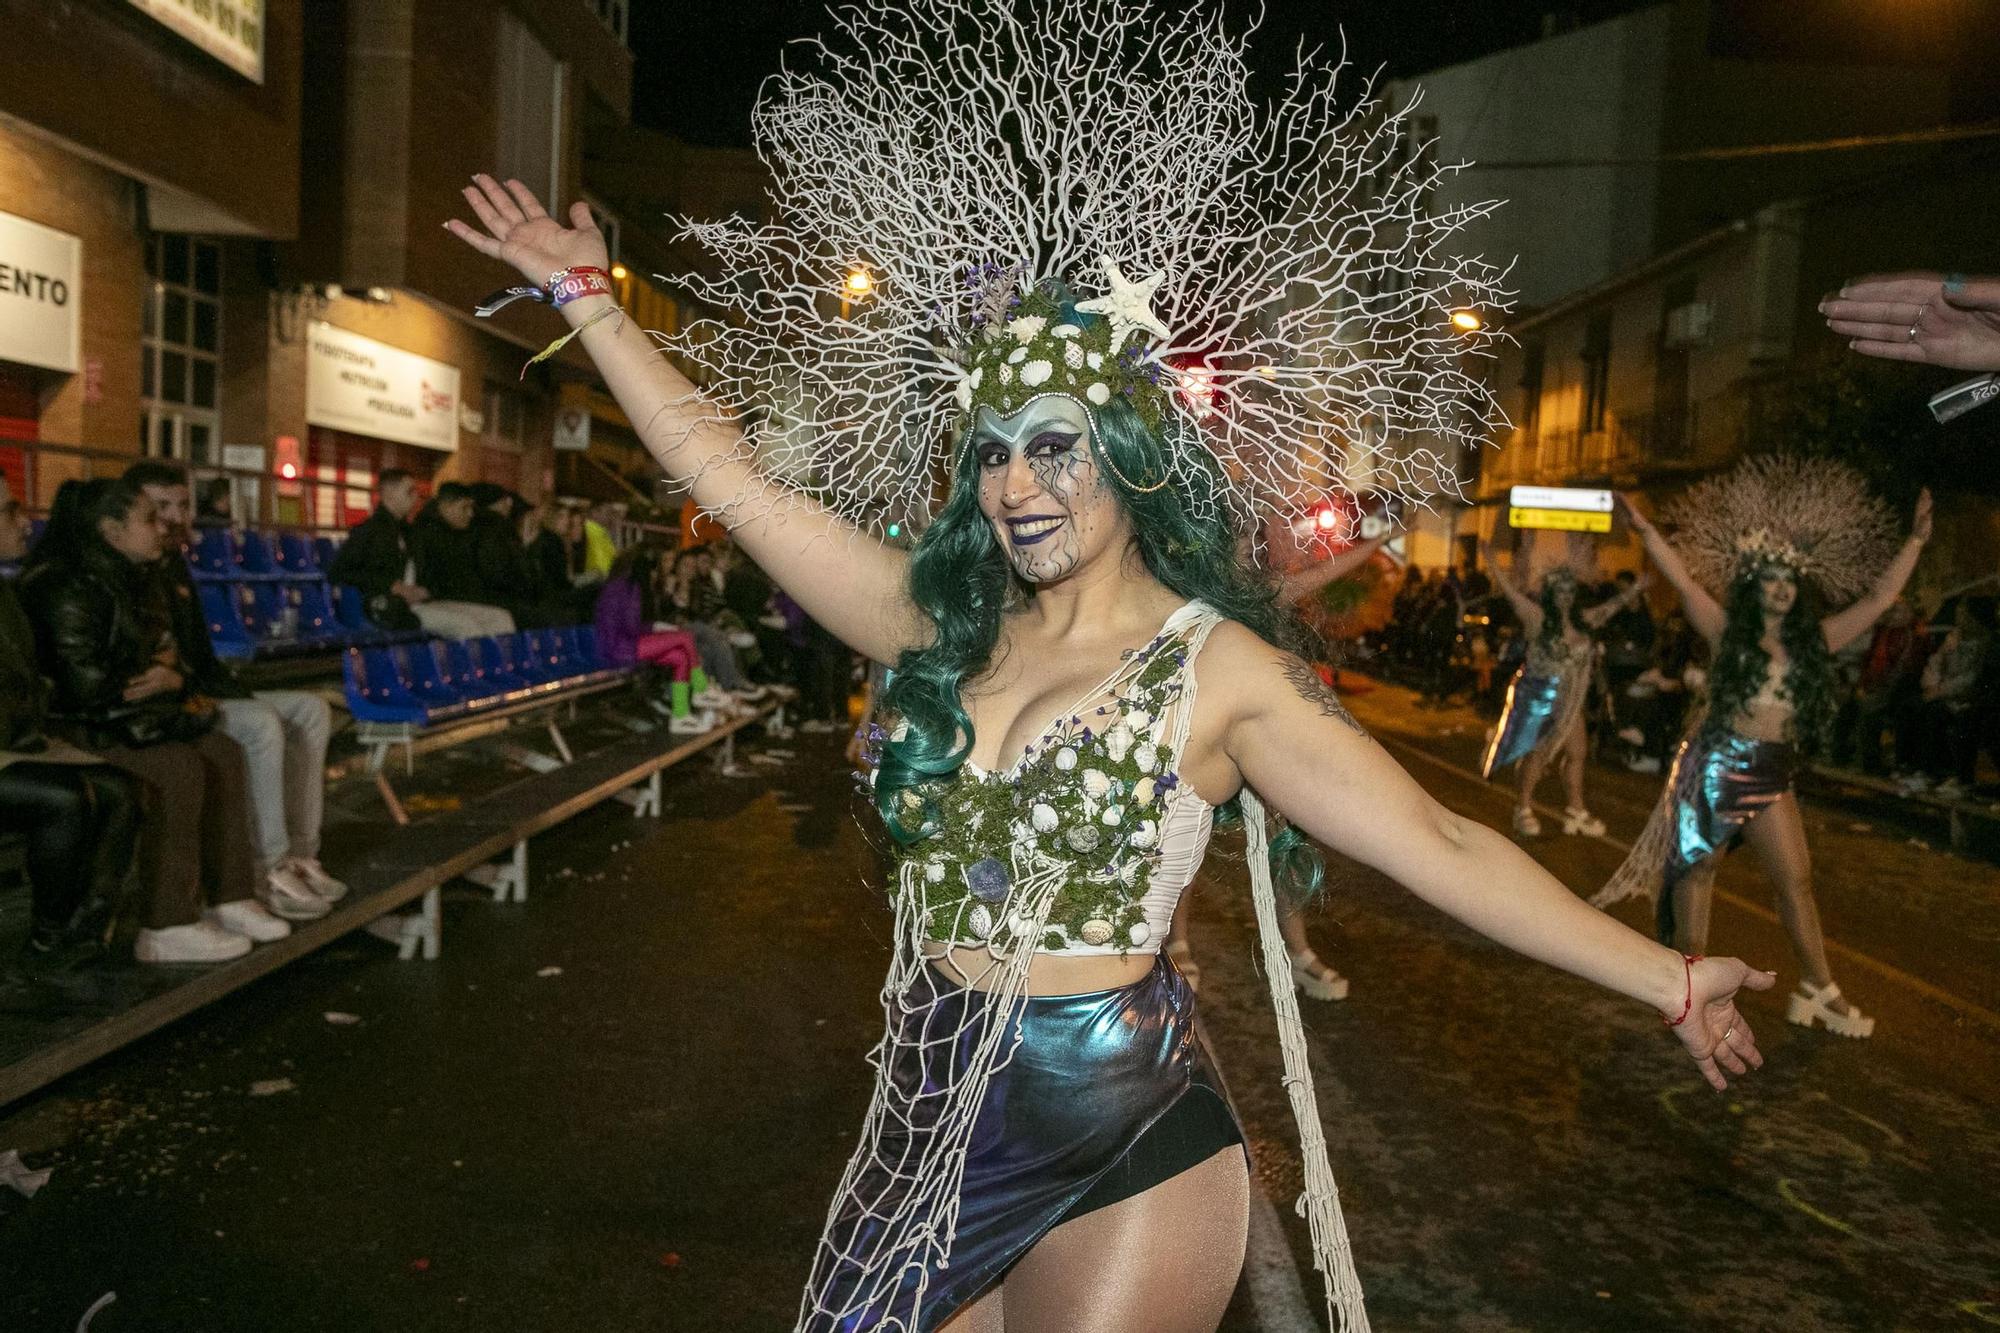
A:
[1703,436]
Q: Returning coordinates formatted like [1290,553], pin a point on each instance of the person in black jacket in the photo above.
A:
[104,638]
[377,559]
[447,560]
[78,815]
[283,733]
[507,572]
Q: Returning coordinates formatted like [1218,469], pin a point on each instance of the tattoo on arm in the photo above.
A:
[1318,693]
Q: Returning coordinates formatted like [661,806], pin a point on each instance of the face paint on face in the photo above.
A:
[1777,589]
[1040,487]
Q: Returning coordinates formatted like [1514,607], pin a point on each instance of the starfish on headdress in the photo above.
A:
[1128,305]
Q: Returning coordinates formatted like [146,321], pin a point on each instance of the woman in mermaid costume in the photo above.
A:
[1774,539]
[1542,718]
[1084,672]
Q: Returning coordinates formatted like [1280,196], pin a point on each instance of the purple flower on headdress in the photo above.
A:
[988,880]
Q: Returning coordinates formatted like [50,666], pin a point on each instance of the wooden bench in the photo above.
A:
[1956,810]
[99,1011]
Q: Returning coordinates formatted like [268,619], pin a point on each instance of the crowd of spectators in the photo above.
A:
[146,779]
[1920,701]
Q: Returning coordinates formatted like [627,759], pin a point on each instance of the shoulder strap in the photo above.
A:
[1195,630]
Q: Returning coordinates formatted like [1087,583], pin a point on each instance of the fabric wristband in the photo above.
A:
[564,285]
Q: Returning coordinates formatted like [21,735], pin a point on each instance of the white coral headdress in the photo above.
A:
[1813,516]
[1275,289]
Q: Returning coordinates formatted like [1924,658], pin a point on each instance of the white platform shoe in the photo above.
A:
[1806,1006]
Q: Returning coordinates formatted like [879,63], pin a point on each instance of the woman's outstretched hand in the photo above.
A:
[519,231]
[1943,319]
[1714,1033]
[1920,522]
[1640,523]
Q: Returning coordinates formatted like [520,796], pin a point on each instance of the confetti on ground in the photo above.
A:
[341,1020]
[549,972]
[670,1260]
[1860,827]
[15,1172]
[420,1265]
[266,1087]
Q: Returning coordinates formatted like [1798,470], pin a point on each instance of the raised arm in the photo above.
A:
[847,581]
[1288,736]
[1850,623]
[1526,607]
[1596,616]
[1703,611]
[1304,582]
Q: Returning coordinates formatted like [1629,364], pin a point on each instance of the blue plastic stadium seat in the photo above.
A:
[539,647]
[520,657]
[316,617]
[417,668]
[256,558]
[375,689]
[221,609]
[461,671]
[297,556]
[324,549]
[213,555]
[496,667]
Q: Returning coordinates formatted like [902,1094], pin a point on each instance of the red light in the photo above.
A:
[289,471]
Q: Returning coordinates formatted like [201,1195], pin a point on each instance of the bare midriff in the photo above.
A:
[1048,973]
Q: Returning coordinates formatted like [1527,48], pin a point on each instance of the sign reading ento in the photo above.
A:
[230,30]
[41,295]
[370,388]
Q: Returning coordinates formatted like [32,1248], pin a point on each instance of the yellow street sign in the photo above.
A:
[1559,520]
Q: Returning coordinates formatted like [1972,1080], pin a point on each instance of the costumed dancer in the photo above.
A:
[1773,540]
[1084,670]
[1542,718]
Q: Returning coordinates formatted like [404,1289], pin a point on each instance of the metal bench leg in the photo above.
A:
[507,879]
[378,759]
[562,746]
[643,797]
[422,929]
[725,759]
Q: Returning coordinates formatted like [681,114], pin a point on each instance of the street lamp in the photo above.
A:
[1467,321]
[858,284]
[620,272]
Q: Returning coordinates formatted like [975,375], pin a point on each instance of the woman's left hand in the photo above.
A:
[1715,1034]
[1920,523]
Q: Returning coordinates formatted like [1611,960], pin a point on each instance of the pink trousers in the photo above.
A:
[669,648]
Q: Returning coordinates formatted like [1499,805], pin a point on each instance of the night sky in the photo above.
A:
[699,62]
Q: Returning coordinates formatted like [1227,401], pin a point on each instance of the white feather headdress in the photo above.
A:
[1815,517]
[1274,275]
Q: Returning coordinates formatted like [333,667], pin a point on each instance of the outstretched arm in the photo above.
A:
[1303,582]
[1287,735]
[1527,608]
[1850,623]
[1703,612]
[848,582]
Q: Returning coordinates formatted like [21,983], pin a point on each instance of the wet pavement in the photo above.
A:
[647,1137]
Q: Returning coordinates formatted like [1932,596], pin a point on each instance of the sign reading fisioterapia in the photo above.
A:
[230,30]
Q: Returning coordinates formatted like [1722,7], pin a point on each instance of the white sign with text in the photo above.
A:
[41,295]
[230,30]
[370,388]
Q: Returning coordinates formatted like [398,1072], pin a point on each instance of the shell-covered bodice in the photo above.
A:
[1093,809]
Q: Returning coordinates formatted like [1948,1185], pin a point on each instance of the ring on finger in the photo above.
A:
[1728,1033]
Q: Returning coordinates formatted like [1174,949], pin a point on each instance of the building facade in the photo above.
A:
[221,240]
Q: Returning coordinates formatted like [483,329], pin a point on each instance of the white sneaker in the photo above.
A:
[751,693]
[392,927]
[713,698]
[1951,789]
[692,724]
[1645,763]
[286,894]
[248,918]
[314,874]
[1911,783]
[196,942]
[1632,736]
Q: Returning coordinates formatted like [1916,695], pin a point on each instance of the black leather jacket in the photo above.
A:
[99,621]
[23,692]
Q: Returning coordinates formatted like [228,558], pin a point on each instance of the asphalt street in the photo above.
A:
[623,1104]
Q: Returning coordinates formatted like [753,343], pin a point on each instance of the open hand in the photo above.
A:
[1944,320]
[1714,1033]
[1920,522]
[1640,523]
[520,232]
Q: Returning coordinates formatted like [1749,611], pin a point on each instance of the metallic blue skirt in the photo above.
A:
[1525,719]
[1718,785]
[1091,1074]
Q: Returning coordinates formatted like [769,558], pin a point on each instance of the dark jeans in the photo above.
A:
[80,821]
[824,672]
[196,846]
[1951,740]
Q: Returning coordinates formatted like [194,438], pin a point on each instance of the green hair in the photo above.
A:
[1741,663]
[961,581]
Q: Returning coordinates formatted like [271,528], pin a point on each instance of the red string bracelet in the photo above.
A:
[1688,960]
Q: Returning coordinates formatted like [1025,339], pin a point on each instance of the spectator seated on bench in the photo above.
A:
[78,815]
[282,733]
[104,638]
